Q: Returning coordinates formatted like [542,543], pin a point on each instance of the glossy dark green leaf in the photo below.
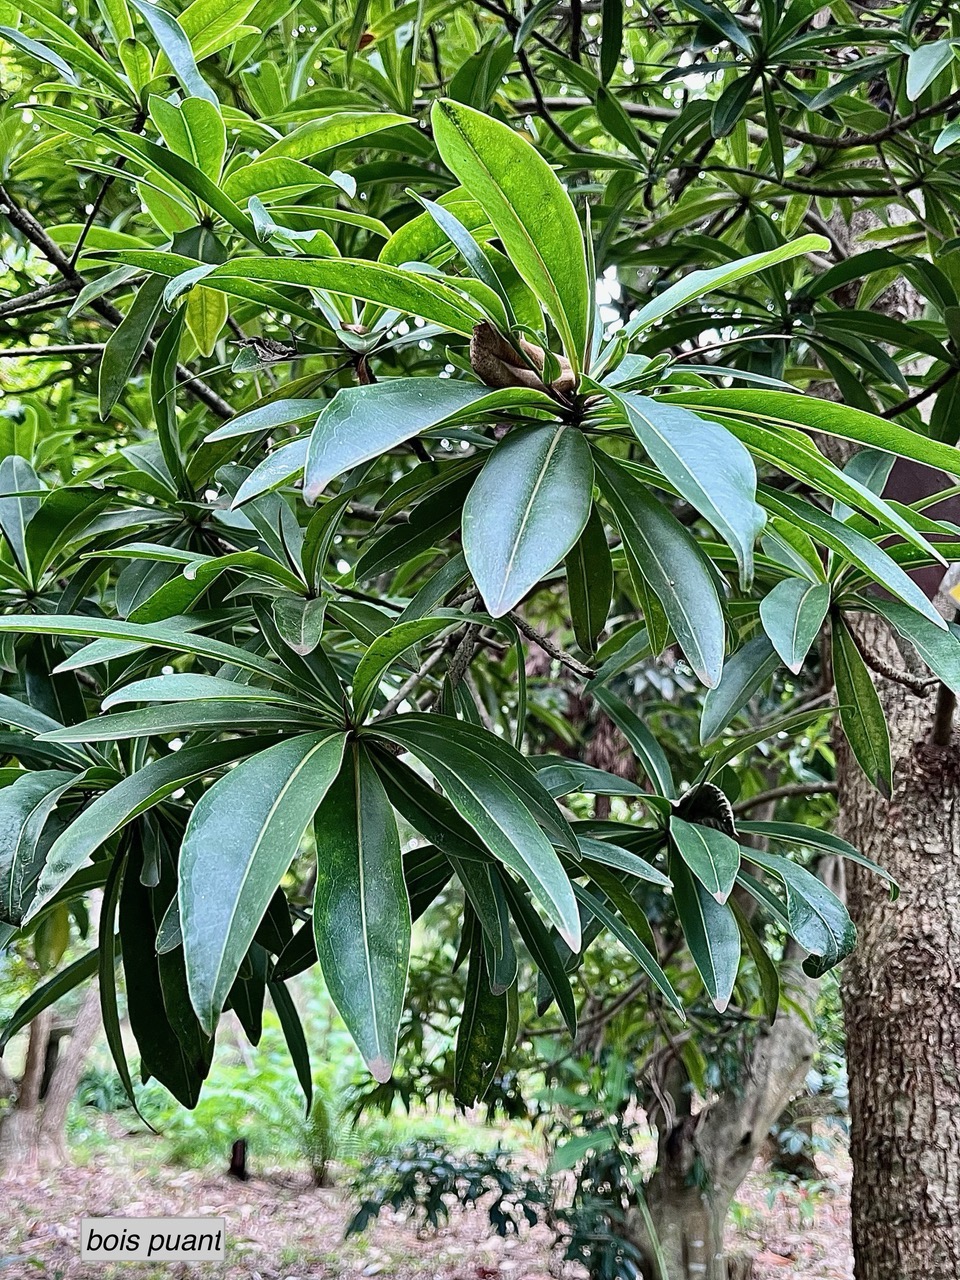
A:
[130,797]
[241,838]
[126,344]
[292,1029]
[527,508]
[792,615]
[816,838]
[644,745]
[387,648]
[766,969]
[940,650]
[25,807]
[743,674]
[628,938]
[482,1032]
[662,553]
[360,423]
[818,919]
[711,931]
[707,465]
[496,792]
[361,916]
[20,491]
[590,582]
[861,712]
[712,856]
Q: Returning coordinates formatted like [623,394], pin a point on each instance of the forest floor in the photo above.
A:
[279,1227]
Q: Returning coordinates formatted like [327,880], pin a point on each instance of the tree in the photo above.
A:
[497,470]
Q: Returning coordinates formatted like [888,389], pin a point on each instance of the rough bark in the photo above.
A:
[900,991]
[703,1157]
[20,1134]
[66,1077]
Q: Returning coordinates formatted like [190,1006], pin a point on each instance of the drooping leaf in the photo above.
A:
[361,916]
[792,615]
[662,553]
[743,674]
[495,804]
[526,510]
[241,838]
[861,713]
[712,856]
[711,931]
[706,465]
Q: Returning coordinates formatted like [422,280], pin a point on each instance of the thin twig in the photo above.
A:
[565,659]
[785,792]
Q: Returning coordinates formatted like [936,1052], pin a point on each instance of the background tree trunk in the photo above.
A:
[703,1158]
[66,1077]
[900,991]
[20,1134]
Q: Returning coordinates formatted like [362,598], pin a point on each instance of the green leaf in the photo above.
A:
[25,807]
[792,615]
[818,919]
[495,791]
[749,668]
[925,64]
[173,1047]
[163,393]
[589,571]
[387,648]
[194,129]
[710,854]
[833,419]
[851,546]
[434,300]
[111,811]
[327,132]
[19,503]
[644,745]
[174,42]
[706,465]
[861,712]
[39,50]
[543,948]
[661,551]
[529,209]
[482,1032]
[560,776]
[766,969]
[292,1029]
[81,54]
[611,855]
[711,931]
[300,621]
[278,413]
[361,916]
[816,838]
[164,635]
[180,717]
[126,344]
[627,938]
[525,511]
[361,423]
[241,838]
[940,650]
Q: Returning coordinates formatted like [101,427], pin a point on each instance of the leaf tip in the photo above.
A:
[380,1068]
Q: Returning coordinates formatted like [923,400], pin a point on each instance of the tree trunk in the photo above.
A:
[20,1134]
[66,1077]
[703,1158]
[900,990]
